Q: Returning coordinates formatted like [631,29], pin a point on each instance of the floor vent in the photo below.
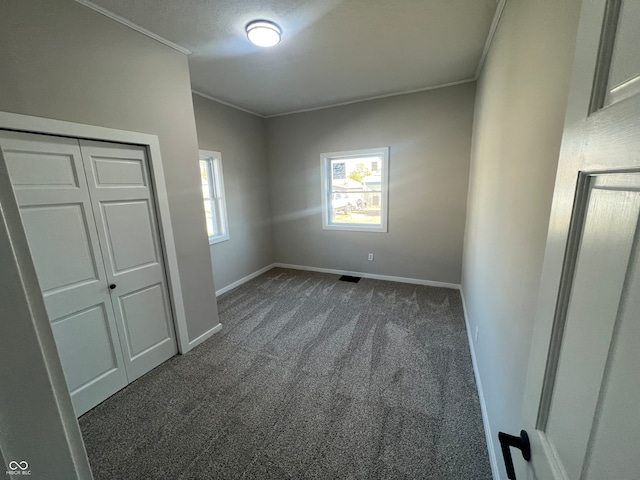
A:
[347,278]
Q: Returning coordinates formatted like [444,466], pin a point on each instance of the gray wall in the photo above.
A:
[520,105]
[241,139]
[62,60]
[430,138]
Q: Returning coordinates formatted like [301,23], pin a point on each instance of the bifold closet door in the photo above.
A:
[122,199]
[89,215]
[50,185]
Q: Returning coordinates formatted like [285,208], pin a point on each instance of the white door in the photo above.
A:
[120,190]
[89,216]
[582,399]
[49,182]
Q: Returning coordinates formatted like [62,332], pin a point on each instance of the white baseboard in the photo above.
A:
[493,460]
[416,281]
[197,341]
[244,280]
[389,278]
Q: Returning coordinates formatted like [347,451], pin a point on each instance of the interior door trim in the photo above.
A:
[39,125]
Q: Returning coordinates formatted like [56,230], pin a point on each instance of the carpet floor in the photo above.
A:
[309,378]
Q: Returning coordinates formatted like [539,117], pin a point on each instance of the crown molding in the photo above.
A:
[133,26]
[217,100]
[492,32]
[377,97]
[333,105]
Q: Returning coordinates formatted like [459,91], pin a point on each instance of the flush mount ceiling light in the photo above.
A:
[263,33]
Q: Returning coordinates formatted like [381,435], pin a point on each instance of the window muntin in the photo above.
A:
[354,190]
[213,195]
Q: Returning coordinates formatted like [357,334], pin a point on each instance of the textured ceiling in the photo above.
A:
[332,51]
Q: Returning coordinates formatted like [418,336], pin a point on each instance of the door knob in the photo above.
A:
[112,286]
[521,443]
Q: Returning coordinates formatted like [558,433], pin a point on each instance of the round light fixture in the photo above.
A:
[263,33]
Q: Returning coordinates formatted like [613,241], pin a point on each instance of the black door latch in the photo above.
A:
[521,442]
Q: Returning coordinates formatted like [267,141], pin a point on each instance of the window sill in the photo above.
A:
[221,238]
[356,228]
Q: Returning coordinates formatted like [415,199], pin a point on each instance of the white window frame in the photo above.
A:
[216,193]
[325,169]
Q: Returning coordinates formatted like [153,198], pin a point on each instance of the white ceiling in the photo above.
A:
[332,51]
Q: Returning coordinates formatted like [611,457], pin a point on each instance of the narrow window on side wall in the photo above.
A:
[215,207]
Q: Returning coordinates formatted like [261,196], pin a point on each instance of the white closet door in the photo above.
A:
[120,190]
[50,185]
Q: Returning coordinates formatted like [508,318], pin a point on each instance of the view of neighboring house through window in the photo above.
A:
[354,190]
[213,193]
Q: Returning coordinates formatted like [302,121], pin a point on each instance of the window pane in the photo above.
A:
[355,186]
[207,212]
[215,217]
[204,175]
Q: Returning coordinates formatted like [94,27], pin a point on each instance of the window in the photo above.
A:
[213,192]
[354,190]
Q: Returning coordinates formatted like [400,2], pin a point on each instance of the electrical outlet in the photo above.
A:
[477,331]
[370,257]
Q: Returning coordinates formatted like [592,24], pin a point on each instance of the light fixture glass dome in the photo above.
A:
[263,33]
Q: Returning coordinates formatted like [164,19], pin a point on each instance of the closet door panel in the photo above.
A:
[67,239]
[129,248]
[123,204]
[84,346]
[140,311]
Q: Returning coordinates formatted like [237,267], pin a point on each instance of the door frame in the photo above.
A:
[40,125]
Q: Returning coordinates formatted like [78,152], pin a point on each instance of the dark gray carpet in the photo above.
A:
[310,378]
